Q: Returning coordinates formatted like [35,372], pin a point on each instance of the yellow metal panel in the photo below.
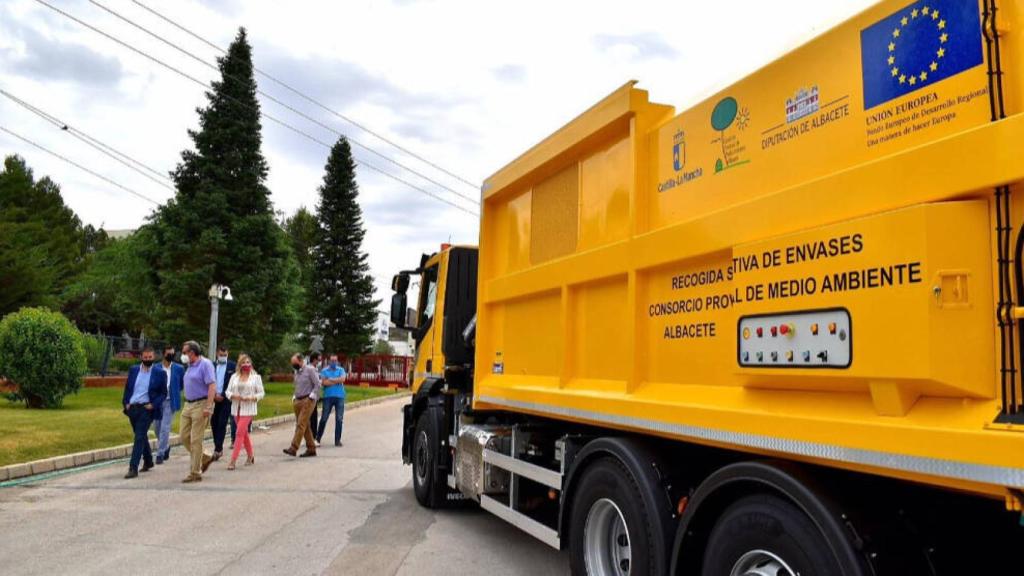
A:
[766,142]
[918,400]
[605,183]
[554,218]
[533,336]
[598,316]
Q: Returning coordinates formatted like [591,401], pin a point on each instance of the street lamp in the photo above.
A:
[217,293]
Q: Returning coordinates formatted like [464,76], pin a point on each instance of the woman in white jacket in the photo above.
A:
[244,390]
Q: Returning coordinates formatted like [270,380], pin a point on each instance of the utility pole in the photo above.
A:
[217,293]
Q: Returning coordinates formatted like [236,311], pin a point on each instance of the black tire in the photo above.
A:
[767,523]
[605,480]
[425,445]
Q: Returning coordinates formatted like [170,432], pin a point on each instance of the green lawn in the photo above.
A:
[92,419]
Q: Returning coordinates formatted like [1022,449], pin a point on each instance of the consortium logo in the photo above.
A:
[682,176]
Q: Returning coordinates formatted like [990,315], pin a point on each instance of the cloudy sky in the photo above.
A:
[465,84]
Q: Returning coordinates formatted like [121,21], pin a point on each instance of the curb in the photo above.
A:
[78,459]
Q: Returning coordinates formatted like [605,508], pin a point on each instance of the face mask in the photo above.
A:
[169,357]
[147,363]
[297,367]
[334,365]
[246,368]
[222,359]
[185,359]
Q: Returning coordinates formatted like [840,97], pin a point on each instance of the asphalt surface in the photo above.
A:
[350,510]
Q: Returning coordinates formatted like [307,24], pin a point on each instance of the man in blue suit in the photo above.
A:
[144,390]
[172,404]
[224,369]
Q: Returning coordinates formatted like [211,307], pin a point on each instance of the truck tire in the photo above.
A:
[425,445]
[764,534]
[610,533]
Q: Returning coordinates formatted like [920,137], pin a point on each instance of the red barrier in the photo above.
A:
[378,370]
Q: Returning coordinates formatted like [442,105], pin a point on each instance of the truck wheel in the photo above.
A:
[610,534]
[425,445]
[764,534]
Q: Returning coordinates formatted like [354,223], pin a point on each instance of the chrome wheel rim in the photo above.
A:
[421,458]
[761,563]
[606,545]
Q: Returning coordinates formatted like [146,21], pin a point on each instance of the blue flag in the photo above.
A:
[917,46]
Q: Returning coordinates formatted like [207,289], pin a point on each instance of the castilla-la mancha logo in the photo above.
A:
[679,151]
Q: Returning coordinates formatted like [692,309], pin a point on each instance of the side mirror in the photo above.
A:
[411,319]
[400,283]
[399,302]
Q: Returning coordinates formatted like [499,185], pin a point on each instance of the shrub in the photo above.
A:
[41,352]
[121,364]
[95,352]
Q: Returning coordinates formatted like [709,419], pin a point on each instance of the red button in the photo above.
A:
[760,332]
[775,331]
[784,329]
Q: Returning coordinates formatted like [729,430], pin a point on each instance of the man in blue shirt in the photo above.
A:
[332,378]
[224,370]
[172,404]
[145,389]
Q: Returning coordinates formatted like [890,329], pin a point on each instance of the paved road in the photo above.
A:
[349,511]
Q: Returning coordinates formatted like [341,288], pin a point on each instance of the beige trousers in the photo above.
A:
[193,427]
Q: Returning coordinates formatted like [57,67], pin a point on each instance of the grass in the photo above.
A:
[92,419]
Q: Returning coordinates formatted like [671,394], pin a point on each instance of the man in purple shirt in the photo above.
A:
[200,389]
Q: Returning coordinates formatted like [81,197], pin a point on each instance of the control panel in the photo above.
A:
[811,339]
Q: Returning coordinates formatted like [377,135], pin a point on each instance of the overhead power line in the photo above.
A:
[79,166]
[312,100]
[115,154]
[279,102]
[241,103]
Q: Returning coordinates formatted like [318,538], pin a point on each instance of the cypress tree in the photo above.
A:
[220,226]
[343,304]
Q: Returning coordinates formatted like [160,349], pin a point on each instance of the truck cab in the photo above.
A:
[444,295]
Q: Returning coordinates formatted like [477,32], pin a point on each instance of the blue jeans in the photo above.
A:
[338,404]
[140,419]
[162,428]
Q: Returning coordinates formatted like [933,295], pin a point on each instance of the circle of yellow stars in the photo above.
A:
[923,14]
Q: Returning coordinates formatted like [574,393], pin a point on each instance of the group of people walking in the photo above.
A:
[224,394]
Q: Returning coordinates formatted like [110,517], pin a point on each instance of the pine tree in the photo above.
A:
[344,308]
[42,243]
[220,227]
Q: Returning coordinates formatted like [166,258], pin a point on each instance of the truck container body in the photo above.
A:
[816,272]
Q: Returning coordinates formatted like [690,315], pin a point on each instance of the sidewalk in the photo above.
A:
[69,461]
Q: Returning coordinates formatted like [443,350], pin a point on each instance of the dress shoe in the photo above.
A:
[337,444]
[307,454]
[147,467]
[289,451]
[207,460]
[190,479]
[217,455]
[159,460]
[131,474]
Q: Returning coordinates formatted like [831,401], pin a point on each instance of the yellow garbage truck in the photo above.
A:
[777,333]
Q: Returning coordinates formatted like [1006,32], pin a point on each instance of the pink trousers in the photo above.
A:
[242,427]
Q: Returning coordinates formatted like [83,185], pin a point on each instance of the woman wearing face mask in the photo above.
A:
[244,390]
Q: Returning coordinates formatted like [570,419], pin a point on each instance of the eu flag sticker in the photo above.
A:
[917,46]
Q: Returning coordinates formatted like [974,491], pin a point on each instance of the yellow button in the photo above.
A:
[814,329]
[746,333]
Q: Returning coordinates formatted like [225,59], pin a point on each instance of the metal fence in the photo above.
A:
[107,354]
[378,370]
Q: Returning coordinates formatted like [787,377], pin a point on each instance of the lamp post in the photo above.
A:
[217,293]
